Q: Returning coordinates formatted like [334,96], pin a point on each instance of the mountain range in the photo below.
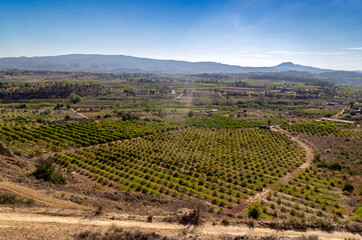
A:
[121,63]
[129,64]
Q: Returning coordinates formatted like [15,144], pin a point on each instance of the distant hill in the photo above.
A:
[289,66]
[129,64]
[121,63]
[343,77]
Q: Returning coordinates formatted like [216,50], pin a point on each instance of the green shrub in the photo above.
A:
[40,120]
[359,213]
[46,171]
[18,152]
[11,199]
[190,114]
[74,98]
[225,222]
[8,198]
[292,212]
[334,166]
[254,210]
[317,157]
[22,105]
[338,212]
[347,186]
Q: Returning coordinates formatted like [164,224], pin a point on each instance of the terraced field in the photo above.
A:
[222,166]
[33,140]
[322,128]
[314,193]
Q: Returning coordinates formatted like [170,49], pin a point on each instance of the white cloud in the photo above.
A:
[280,52]
[338,53]
[259,55]
[284,52]
[243,51]
[354,48]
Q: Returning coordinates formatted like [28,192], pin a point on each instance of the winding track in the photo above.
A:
[79,114]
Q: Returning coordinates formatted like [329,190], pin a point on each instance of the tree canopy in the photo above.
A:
[74,98]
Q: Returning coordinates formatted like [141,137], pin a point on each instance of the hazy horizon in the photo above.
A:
[323,34]
[152,58]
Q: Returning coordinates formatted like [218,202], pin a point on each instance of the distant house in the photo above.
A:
[332,104]
[211,110]
[291,93]
[63,108]
[338,120]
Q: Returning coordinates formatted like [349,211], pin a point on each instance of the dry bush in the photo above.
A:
[12,199]
[190,214]
[290,224]
[119,234]
[311,237]
[355,227]
[249,237]
[99,209]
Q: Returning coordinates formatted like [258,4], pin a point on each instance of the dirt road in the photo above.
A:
[31,222]
[79,114]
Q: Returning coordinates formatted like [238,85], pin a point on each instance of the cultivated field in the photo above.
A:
[170,153]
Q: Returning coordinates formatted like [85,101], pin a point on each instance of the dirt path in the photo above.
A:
[284,180]
[309,154]
[39,196]
[79,114]
[339,113]
[14,220]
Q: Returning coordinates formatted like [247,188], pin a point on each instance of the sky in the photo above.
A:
[320,33]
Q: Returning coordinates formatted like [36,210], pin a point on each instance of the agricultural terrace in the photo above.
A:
[315,113]
[220,165]
[31,139]
[322,128]
[314,194]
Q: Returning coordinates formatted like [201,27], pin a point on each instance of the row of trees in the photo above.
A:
[49,91]
[37,139]
[322,128]
[221,165]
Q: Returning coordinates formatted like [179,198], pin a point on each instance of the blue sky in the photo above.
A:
[319,33]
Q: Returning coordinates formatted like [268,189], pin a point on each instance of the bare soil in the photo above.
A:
[37,226]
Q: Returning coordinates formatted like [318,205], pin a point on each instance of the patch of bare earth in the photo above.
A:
[30,226]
